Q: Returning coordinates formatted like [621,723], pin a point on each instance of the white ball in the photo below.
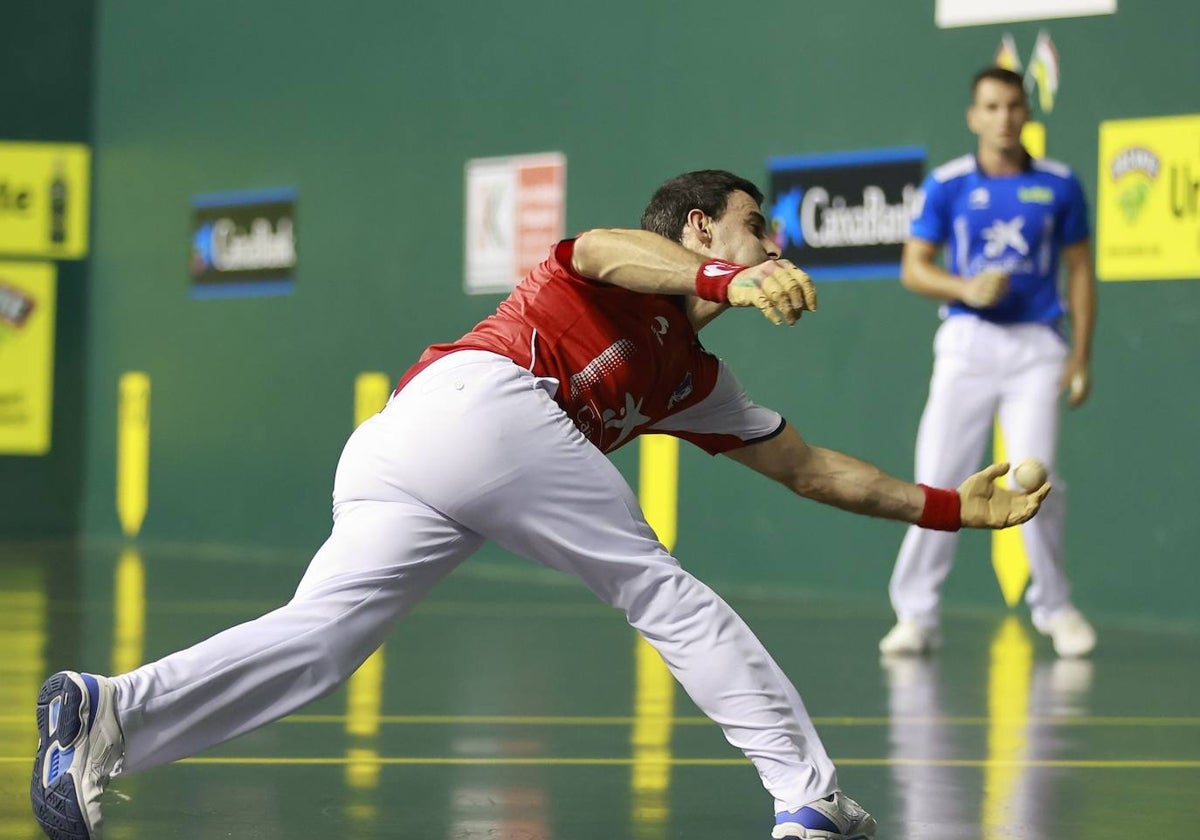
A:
[1030,473]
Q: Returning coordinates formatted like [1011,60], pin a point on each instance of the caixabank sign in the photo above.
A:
[244,243]
[845,215]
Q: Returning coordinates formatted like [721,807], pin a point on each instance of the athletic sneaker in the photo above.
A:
[1070,631]
[79,747]
[908,638]
[836,817]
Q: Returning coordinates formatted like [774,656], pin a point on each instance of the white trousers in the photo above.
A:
[982,370]
[473,448]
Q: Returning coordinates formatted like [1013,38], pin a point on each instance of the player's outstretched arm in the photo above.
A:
[642,261]
[834,478]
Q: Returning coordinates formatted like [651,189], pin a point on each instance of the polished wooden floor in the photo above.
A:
[511,706]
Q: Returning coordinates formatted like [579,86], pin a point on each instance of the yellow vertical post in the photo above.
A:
[654,693]
[364,691]
[133,450]
[1009,559]
[371,392]
[1033,138]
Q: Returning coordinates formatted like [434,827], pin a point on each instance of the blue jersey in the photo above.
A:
[1013,223]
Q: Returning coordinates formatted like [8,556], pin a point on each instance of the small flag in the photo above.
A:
[1006,54]
[1043,71]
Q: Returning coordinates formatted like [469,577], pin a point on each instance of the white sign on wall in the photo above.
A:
[516,211]
[950,13]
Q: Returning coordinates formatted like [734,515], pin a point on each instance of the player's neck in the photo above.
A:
[997,163]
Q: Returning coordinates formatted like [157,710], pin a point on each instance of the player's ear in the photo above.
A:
[700,224]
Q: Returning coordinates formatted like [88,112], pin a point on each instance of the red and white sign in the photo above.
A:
[516,211]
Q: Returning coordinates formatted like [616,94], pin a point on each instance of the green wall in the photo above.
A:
[371,111]
[45,94]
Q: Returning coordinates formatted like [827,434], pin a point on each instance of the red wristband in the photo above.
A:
[943,509]
[712,279]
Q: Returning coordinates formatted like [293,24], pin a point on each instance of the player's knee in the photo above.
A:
[668,597]
[329,664]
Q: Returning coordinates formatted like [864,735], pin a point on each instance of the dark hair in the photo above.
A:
[998,74]
[707,190]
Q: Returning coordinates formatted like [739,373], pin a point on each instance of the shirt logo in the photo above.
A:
[682,392]
[659,328]
[1035,195]
[627,420]
[1003,235]
[979,198]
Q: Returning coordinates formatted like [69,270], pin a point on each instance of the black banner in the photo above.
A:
[244,243]
[845,216]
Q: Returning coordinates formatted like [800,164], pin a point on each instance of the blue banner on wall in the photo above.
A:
[845,215]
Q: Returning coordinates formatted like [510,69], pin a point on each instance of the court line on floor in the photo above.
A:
[339,761]
[618,720]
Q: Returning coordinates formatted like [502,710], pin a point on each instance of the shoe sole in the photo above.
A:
[811,834]
[56,806]
[861,830]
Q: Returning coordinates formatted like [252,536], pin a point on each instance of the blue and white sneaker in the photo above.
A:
[836,817]
[79,747]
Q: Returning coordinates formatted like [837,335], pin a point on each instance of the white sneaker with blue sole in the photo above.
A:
[80,747]
[836,817]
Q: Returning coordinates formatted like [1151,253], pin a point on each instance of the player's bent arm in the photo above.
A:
[638,260]
[921,274]
[703,312]
[834,478]
[645,262]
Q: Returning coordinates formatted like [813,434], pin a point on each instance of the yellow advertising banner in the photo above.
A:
[26,357]
[44,199]
[1148,209]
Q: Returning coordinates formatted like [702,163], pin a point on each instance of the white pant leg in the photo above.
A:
[386,551]
[951,440]
[1029,417]
[545,493]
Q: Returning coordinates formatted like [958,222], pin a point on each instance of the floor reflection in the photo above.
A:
[24,616]
[364,704]
[129,611]
[932,752]
[650,781]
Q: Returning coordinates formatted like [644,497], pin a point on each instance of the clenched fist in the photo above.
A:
[986,504]
[777,287]
[985,289]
